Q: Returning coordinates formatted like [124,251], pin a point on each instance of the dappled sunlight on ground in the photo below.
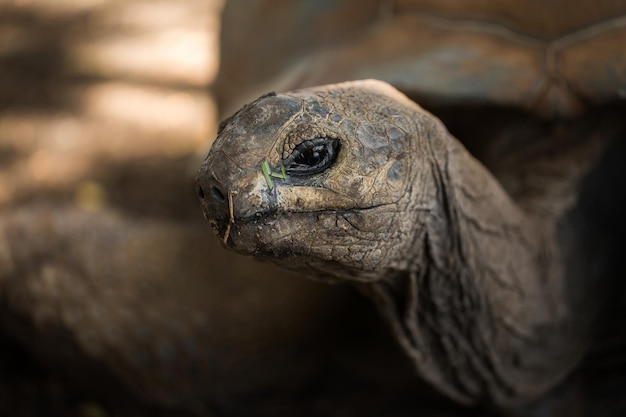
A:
[106,105]
[161,42]
[87,85]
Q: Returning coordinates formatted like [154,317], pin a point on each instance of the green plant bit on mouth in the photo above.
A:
[282,175]
[265,167]
[268,174]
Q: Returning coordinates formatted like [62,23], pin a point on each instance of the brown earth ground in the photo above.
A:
[99,101]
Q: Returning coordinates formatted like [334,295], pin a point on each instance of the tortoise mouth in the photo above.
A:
[260,234]
[288,240]
[328,245]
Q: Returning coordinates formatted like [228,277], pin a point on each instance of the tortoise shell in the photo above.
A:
[552,58]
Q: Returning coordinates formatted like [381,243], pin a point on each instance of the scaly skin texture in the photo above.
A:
[476,287]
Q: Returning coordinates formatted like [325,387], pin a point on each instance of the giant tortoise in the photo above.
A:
[497,271]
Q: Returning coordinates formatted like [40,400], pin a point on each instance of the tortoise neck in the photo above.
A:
[483,309]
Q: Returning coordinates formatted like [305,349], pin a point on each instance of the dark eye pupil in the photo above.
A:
[311,157]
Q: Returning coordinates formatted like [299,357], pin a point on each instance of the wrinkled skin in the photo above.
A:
[355,205]
[480,291]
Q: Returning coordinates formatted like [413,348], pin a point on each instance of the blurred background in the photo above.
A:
[92,89]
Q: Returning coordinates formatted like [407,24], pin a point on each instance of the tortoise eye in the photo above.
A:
[312,157]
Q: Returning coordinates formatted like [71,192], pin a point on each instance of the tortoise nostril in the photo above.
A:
[218,194]
[200,193]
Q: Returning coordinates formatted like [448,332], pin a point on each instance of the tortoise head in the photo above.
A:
[317,180]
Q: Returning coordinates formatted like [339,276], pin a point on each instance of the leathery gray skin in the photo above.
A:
[473,285]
